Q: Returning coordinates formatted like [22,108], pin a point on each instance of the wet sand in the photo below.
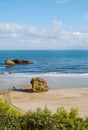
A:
[68,98]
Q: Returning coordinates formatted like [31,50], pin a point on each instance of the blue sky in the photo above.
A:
[43,24]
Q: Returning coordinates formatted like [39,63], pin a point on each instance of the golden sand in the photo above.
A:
[54,98]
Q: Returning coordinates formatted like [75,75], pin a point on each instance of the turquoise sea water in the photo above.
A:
[56,66]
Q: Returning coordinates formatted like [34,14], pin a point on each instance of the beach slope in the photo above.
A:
[53,99]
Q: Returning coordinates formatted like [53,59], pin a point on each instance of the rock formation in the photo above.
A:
[17,61]
[39,85]
[10,62]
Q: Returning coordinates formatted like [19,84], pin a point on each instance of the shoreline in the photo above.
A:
[59,81]
[56,97]
[64,91]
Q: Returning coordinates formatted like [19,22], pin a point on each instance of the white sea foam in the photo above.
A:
[50,74]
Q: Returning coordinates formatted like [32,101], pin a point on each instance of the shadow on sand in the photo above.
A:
[22,90]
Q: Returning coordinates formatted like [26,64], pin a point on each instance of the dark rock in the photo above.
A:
[17,61]
[39,85]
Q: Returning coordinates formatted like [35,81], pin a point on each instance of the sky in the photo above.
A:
[43,24]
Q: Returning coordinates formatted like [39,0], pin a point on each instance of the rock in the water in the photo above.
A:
[39,85]
[9,63]
[17,61]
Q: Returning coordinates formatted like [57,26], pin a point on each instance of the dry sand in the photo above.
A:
[54,98]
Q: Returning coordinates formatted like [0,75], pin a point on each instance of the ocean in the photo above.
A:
[58,67]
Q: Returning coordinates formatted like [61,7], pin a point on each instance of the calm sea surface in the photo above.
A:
[48,64]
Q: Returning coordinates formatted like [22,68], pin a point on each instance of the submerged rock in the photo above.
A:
[39,85]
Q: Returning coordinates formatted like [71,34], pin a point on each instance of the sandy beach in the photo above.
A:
[68,98]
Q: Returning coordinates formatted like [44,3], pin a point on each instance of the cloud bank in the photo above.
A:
[17,36]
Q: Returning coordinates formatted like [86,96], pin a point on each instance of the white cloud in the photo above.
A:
[6,35]
[29,37]
[76,33]
[31,41]
[10,30]
[10,27]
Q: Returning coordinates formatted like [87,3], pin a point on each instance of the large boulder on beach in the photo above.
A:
[39,85]
[9,63]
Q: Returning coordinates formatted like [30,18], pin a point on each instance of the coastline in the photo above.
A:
[54,80]
[65,90]
[25,100]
